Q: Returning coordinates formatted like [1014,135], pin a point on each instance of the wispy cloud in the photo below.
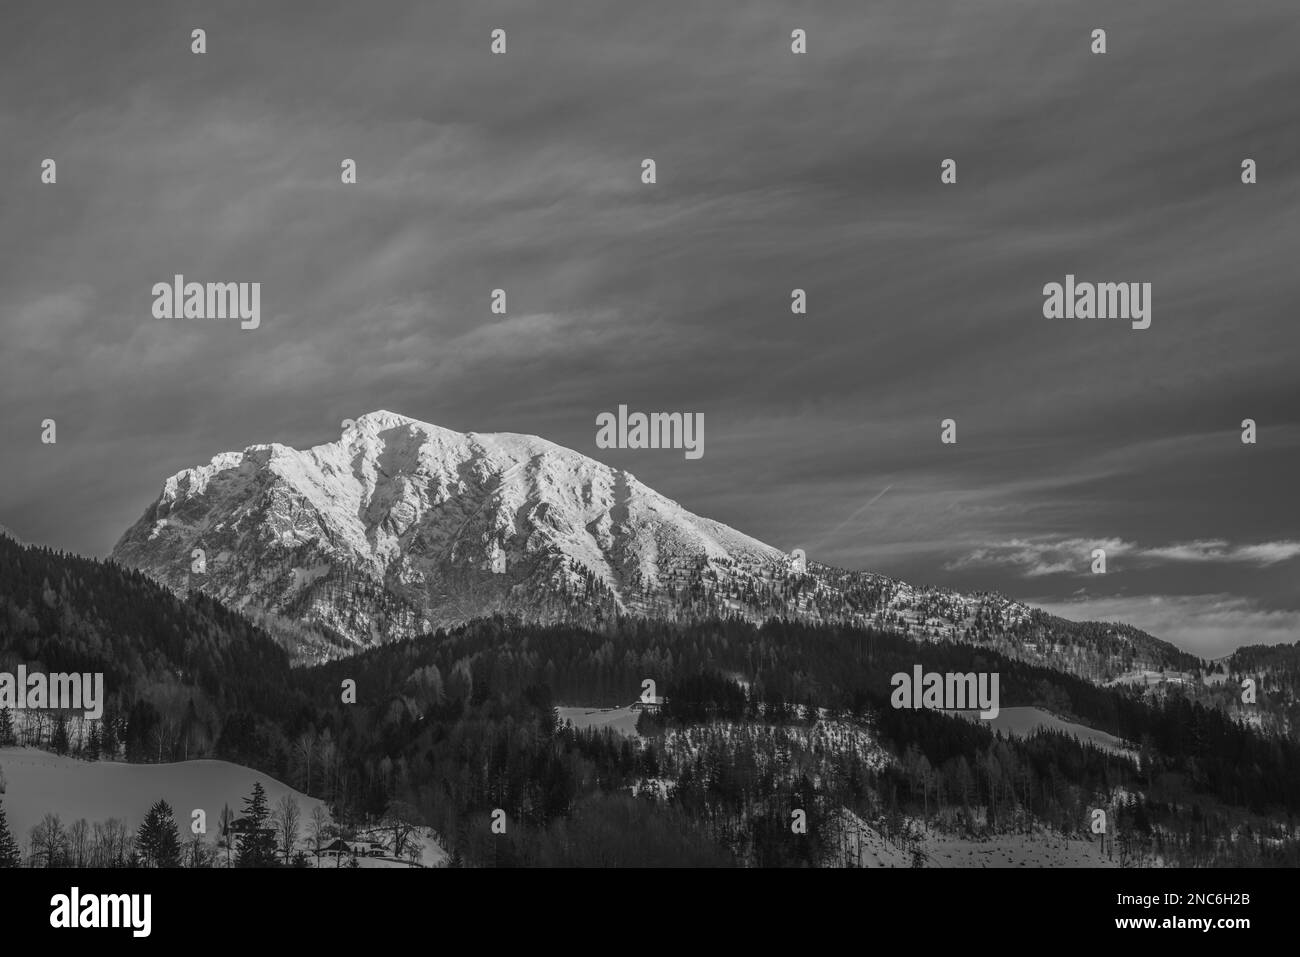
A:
[1074,555]
[1265,553]
[1208,625]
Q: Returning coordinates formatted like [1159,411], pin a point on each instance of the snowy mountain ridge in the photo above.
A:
[400,527]
[449,524]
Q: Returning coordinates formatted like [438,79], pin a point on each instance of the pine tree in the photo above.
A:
[257,843]
[6,728]
[157,838]
[92,743]
[59,737]
[9,855]
[108,736]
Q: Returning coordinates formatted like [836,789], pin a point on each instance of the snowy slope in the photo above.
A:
[1024,722]
[38,782]
[622,720]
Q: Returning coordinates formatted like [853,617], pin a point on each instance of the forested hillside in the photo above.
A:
[172,668]
[458,729]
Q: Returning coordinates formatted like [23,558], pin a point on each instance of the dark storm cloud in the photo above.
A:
[775,172]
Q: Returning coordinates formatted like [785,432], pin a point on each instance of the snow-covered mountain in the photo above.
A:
[400,527]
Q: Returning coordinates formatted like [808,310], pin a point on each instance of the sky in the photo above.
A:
[775,171]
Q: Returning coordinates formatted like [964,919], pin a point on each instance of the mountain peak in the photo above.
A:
[434,526]
[383,419]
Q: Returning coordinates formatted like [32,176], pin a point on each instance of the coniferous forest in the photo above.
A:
[755,726]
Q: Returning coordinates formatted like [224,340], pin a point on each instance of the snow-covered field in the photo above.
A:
[39,782]
[1147,678]
[622,720]
[1024,722]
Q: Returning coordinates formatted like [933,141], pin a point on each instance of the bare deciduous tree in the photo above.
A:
[305,748]
[402,819]
[226,819]
[49,842]
[320,829]
[285,818]
[79,843]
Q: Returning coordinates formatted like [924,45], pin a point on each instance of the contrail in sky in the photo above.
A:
[856,513]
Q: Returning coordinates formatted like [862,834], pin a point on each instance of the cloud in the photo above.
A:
[1265,553]
[522,172]
[1210,625]
[1074,555]
[1064,556]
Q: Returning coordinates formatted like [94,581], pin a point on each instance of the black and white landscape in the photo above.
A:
[626,435]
